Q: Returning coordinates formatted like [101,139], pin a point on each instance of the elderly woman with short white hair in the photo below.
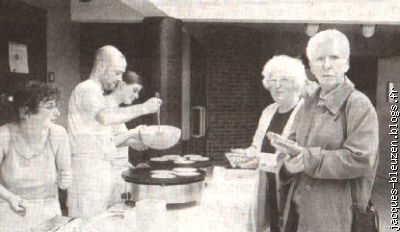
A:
[333,165]
[285,79]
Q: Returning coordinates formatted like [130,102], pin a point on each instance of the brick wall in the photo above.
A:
[234,88]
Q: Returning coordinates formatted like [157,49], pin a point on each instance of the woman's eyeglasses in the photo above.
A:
[275,81]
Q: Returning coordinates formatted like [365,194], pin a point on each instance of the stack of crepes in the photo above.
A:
[241,158]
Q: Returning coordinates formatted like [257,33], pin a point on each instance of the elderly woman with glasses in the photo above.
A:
[285,79]
[35,159]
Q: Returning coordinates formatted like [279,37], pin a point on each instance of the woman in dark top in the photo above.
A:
[284,78]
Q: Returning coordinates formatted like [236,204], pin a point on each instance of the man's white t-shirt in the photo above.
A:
[87,136]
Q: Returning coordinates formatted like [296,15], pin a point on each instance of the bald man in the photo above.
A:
[91,138]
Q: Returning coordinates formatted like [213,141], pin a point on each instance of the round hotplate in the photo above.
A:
[146,176]
[172,164]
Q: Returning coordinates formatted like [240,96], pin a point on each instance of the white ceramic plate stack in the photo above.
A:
[172,157]
[163,175]
[186,171]
[183,161]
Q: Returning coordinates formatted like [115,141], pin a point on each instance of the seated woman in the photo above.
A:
[125,93]
[285,78]
[35,159]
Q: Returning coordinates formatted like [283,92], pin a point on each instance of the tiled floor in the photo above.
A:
[381,199]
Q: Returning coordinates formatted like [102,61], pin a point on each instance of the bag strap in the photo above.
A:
[344,118]
[344,129]
[287,207]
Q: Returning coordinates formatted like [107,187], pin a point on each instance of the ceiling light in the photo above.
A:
[368,30]
[311,29]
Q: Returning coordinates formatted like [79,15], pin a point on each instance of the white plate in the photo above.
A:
[201,158]
[161,171]
[187,173]
[190,156]
[184,169]
[163,176]
[184,161]
[172,157]
[159,159]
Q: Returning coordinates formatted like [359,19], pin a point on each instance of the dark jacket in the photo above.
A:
[340,134]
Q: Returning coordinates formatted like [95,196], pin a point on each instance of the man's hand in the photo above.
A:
[18,205]
[152,105]
[295,165]
[64,179]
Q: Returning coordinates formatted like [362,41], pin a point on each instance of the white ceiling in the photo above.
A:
[250,11]
[322,11]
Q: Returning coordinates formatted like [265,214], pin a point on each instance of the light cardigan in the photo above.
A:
[263,125]
[265,120]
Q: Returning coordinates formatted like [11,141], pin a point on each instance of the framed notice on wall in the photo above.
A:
[18,57]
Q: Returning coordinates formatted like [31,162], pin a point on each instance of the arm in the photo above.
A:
[117,115]
[255,148]
[126,138]
[285,162]
[121,139]
[17,204]
[358,155]
[90,100]
[61,148]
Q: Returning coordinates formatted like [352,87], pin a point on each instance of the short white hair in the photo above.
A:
[293,66]
[328,35]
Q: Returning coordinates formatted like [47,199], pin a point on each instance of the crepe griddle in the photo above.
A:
[181,189]
[143,176]
[170,164]
[207,166]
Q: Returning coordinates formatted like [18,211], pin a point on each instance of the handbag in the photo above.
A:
[363,221]
[367,221]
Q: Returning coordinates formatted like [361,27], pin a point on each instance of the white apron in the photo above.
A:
[258,209]
[92,184]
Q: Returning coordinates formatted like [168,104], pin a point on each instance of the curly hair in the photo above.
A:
[29,95]
[291,65]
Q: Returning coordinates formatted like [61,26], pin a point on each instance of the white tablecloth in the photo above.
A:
[227,204]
